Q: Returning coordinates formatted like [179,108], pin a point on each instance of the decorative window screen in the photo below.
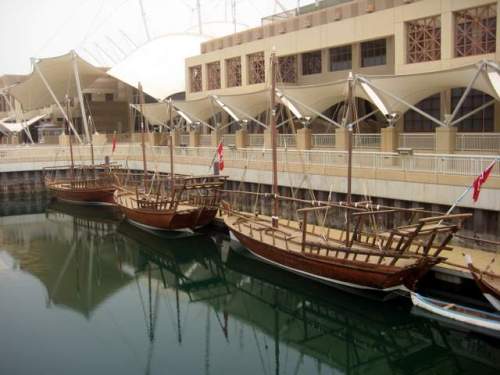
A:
[195,78]
[475,31]
[424,40]
[213,75]
[233,72]
[256,68]
[287,69]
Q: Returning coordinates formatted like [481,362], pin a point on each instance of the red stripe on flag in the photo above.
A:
[480,180]
[220,155]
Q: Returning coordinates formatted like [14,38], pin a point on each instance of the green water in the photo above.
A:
[82,293]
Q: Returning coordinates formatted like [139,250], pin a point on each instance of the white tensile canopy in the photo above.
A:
[159,64]
[59,74]
[15,127]
[156,113]
[199,110]
[413,88]
[246,106]
[397,92]
[313,99]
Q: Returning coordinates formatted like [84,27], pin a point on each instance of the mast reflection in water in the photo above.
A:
[82,292]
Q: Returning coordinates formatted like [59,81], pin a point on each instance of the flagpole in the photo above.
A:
[457,201]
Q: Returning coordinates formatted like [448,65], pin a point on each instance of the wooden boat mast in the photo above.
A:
[81,99]
[349,120]
[273,140]
[143,137]
[171,144]
[70,140]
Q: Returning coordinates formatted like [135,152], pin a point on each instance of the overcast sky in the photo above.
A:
[104,32]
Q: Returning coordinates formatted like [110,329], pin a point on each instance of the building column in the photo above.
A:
[446,140]
[215,137]
[194,138]
[241,139]
[304,139]
[389,139]
[341,140]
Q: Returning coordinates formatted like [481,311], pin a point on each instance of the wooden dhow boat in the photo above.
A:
[488,283]
[175,202]
[82,184]
[355,257]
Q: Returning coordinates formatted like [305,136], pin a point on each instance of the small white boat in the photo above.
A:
[466,315]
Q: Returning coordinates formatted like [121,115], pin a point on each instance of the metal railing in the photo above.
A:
[205,140]
[418,141]
[229,139]
[479,142]
[287,140]
[255,140]
[323,140]
[184,139]
[366,141]
[462,165]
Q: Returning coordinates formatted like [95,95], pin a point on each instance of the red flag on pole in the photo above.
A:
[220,155]
[481,179]
[113,142]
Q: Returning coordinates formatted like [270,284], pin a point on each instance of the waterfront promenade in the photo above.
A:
[426,178]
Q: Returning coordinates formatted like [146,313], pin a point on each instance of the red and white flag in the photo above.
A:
[481,179]
[220,156]
[113,142]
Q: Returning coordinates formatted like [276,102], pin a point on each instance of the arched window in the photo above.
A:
[414,122]
[481,121]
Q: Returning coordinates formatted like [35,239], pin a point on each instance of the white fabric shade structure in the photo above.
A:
[245,106]
[58,72]
[156,113]
[7,127]
[394,93]
[199,110]
[159,64]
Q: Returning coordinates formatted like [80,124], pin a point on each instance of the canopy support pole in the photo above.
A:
[404,102]
[465,94]
[225,108]
[54,97]
[80,98]
[478,109]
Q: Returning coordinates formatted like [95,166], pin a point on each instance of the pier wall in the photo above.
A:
[21,173]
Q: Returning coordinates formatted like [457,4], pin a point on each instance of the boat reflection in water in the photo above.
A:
[154,304]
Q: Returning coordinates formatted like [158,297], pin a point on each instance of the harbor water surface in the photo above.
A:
[82,292]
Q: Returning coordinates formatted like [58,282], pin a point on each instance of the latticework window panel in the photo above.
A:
[287,69]
[233,72]
[424,40]
[311,63]
[475,31]
[256,68]
[195,78]
[213,76]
